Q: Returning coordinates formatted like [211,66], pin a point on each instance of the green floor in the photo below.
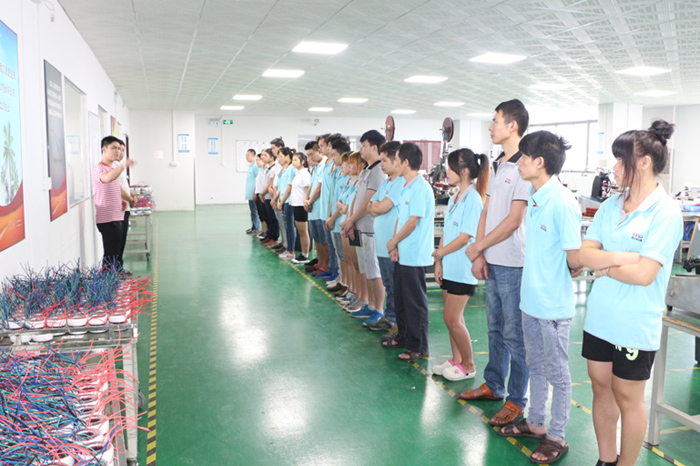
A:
[257,365]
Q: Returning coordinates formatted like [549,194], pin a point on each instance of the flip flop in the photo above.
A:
[509,413]
[552,450]
[481,393]
[393,344]
[523,431]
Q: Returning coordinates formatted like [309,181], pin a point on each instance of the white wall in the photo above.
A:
[50,35]
[153,142]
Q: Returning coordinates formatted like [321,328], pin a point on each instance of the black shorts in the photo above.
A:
[300,214]
[457,288]
[627,363]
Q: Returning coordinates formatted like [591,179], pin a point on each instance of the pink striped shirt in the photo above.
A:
[108,196]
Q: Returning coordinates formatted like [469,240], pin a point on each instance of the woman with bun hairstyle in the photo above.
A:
[630,246]
[453,269]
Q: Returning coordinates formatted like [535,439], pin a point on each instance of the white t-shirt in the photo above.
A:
[301,181]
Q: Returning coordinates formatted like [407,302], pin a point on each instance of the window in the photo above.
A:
[583,137]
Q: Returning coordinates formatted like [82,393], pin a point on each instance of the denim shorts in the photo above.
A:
[316,228]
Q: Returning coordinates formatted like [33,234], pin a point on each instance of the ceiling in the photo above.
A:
[196,54]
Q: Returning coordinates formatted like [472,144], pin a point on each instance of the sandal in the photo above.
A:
[481,393]
[523,431]
[393,344]
[412,355]
[551,449]
[509,413]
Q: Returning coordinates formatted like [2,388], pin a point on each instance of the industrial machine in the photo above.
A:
[603,186]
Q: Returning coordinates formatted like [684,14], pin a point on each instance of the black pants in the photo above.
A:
[125,230]
[411,307]
[262,211]
[273,225]
[112,238]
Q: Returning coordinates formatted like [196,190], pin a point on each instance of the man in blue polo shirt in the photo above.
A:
[411,250]
[552,243]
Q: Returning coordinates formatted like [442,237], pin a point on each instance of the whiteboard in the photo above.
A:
[242,147]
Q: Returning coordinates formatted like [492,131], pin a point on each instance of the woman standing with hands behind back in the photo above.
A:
[630,245]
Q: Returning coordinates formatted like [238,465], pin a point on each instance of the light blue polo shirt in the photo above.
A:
[327,186]
[417,200]
[251,175]
[315,179]
[553,226]
[346,198]
[285,179]
[461,217]
[384,224]
[341,185]
[630,315]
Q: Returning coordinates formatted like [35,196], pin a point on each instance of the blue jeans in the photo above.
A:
[332,255]
[506,346]
[290,226]
[254,217]
[547,346]
[386,268]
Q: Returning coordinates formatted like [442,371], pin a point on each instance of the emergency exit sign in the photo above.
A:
[228,122]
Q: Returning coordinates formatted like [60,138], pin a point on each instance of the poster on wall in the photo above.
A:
[11,193]
[55,140]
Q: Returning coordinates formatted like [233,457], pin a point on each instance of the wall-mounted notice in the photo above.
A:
[11,193]
[242,147]
[183,142]
[55,143]
[213,146]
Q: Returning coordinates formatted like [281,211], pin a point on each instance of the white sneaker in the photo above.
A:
[333,283]
[456,373]
[286,255]
[438,370]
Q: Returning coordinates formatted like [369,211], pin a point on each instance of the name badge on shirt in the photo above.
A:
[543,227]
[508,180]
[637,237]
[455,224]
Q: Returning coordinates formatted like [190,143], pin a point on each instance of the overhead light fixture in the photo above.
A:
[479,115]
[232,107]
[322,48]
[425,79]
[448,104]
[282,73]
[246,97]
[496,58]
[403,112]
[352,100]
[550,86]
[644,71]
[655,93]
[320,109]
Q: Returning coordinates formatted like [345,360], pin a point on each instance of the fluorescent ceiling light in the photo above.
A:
[323,48]
[403,112]
[425,79]
[320,109]
[550,86]
[282,73]
[479,115]
[644,71]
[352,100]
[654,93]
[246,97]
[495,58]
[232,107]
[448,104]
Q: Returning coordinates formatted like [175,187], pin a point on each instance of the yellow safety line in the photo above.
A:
[152,364]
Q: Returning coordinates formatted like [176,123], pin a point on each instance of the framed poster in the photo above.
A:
[11,189]
[242,147]
[55,140]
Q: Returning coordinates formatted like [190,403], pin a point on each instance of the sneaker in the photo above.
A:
[356,305]
[318,271]
[374,317]
[330,279]
[343,296]
[314,261]
[339,287]
[332,284]
[438,370]
[363,313]
[347,297]
[324,274]
[249,231]
[279,251]
[457,373]
[302,259]
[278,246]
[390,334]
[382,324]
[286,256]
[260,235]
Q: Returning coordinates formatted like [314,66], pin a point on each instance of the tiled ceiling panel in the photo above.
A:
[196,54]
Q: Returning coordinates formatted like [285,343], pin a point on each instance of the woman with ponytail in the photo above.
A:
[452,266]
[630,246]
